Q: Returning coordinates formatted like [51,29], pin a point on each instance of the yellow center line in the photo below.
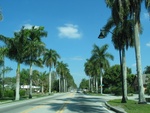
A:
[40,106]
[61,110]
[31,109]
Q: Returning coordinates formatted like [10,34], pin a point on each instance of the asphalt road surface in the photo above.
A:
[58,103]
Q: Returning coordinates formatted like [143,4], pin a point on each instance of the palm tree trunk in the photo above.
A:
[3,78]
[96,84]
[64,84]
[101,81]
[124,69]
[121,73]
[138,64]
[30,86]
[49,81]
[42,88]
[92,84]
[59,84]
[89,83]
[17,95]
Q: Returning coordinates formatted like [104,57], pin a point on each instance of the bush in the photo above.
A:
[116,91]
[9,93]
[130,90]
[22,92]
[107,91]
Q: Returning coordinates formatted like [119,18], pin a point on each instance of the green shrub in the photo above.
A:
[22,92]
[107,91]
[130,90]
[116,90]
[9,93]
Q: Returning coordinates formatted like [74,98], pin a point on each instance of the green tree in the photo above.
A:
[147,70]
[84,84]
[50,59]
[91,69]
[43,81]
[121,11]
[101,57]
[24,79]
[34,49]
[112,82]
[122,37]
[87,70]
[16,51]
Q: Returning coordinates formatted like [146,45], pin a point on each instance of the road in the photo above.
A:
[58,103]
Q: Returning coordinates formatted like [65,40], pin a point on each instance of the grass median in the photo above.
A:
[131,106]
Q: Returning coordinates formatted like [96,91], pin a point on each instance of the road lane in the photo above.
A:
[86,104]
[61,103]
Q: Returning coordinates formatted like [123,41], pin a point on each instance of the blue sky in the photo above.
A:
[73,27]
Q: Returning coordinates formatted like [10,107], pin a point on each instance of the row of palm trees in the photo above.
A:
[126,25]
[27,47]
[96,65]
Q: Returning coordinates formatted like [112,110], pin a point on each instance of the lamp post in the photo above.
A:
[101,36]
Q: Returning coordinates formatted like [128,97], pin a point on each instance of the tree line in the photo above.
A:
[26,47]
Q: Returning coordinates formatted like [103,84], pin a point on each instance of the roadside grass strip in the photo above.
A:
[131,106]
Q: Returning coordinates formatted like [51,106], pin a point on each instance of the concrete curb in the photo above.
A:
[114,108]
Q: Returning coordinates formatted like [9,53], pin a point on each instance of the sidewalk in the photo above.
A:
[119,109]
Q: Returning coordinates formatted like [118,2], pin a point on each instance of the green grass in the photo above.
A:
[34,95]
[131,106]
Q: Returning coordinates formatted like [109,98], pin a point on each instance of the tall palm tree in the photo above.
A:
[131,9]
[122,37]
[34,50]
[58,70]
[16,51]
[101,57]
[87,70]
[61,69]
[43,80]
[50,59]
[135,10]
[3,52]
[92,69]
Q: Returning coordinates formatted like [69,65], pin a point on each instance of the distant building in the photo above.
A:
[145,77]
[35,88]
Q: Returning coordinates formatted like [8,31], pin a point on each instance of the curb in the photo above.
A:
[114,108]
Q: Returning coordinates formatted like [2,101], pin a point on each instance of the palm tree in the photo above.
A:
[135,9]
[50,59]
[131,9]
[34,50]
[43,80]
[122,37]
[58,70]
[101,57]
[16,51]
[87,70]
[61,69]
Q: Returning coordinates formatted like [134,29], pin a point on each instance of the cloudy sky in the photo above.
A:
[73,27]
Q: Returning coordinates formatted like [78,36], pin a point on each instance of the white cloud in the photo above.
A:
[29,26]
[77,58]
[148,44]
[69,31]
